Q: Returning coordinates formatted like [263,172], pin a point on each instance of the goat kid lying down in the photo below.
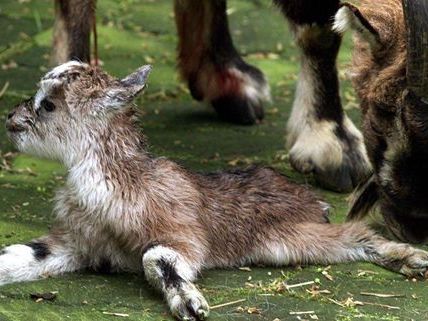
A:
[139,213]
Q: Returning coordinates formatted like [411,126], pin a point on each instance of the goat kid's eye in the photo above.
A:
[47,105]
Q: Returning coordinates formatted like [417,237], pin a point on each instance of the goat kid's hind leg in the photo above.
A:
[72,29]
[398,257]
[168,271]
[212,67]
[312,243]
[321,138]
[47,256]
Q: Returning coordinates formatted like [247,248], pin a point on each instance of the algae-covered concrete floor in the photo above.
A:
[132,33]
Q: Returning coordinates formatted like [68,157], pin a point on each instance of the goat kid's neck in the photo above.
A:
[108,162]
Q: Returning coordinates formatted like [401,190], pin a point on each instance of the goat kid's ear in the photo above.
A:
[350,17]
[137,80]
[127,88]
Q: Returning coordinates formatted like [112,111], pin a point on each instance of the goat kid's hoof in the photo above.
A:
[239,110]
[415,264]
[189,305]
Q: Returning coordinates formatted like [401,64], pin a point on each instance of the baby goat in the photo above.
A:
[123,208]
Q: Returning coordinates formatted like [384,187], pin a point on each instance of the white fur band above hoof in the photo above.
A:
[350,18]
[343,20]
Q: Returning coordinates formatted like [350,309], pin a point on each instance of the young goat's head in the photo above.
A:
[75,105]
[390,75]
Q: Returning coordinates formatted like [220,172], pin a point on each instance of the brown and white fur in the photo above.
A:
[124,209]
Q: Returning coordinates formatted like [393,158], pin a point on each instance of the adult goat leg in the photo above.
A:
[73,22]
[212,67]
[321,138]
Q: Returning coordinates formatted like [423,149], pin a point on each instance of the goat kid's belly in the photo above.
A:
[100,251]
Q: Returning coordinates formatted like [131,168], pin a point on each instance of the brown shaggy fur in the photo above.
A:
[394,118]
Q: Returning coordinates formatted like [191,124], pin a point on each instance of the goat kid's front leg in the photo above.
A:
[211,65]
[322,139]
[167,270]
[40,258]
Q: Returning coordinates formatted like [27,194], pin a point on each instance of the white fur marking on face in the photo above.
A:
[40,95]
[53,79]
[45,88]
[61,69]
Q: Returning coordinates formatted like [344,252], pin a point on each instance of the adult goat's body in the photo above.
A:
[123,210]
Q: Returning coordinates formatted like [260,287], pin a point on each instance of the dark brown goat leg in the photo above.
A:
[73,22]
[322,140]
[212,67]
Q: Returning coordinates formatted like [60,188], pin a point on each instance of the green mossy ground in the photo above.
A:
[132,33]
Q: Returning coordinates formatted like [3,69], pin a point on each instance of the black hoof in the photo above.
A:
[238,110]
[337,159]
[343,179]
[338,180]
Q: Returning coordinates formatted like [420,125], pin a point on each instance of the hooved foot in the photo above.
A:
[237,93]
[406,260]
[239,110]
[416,264]
[188,304]
[335,154]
